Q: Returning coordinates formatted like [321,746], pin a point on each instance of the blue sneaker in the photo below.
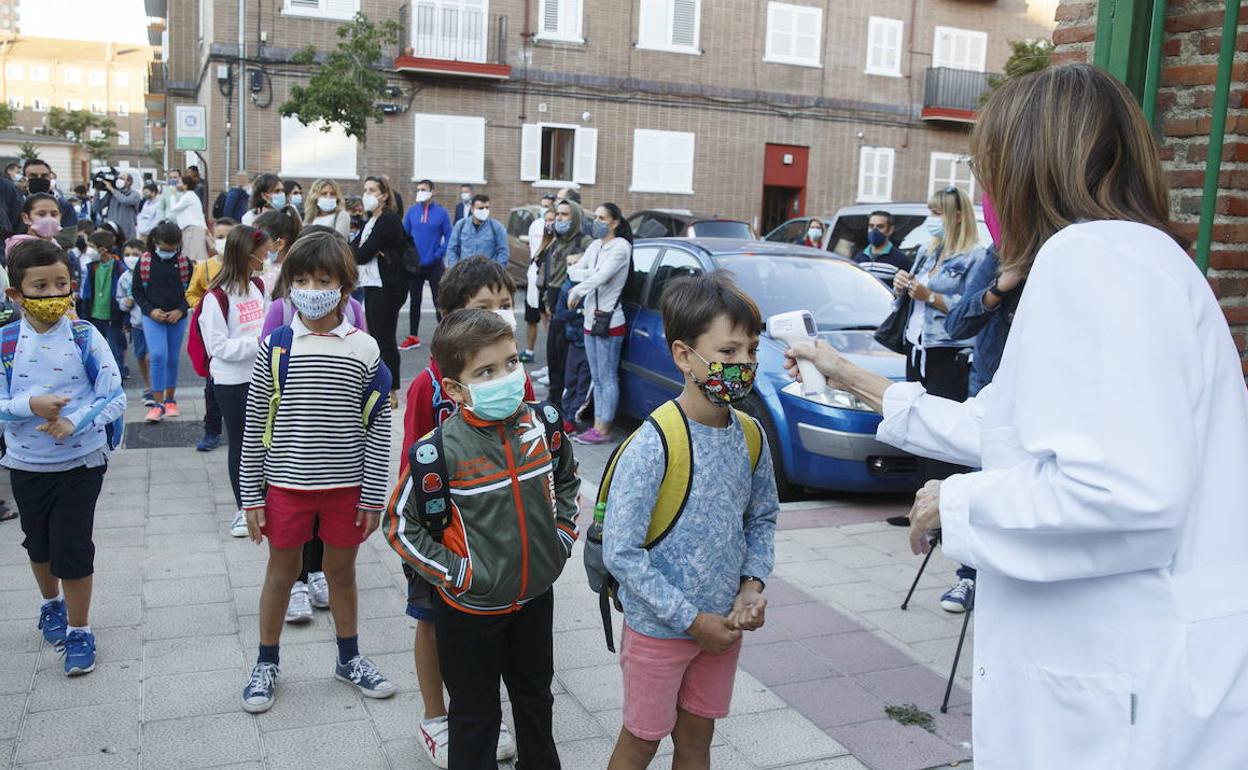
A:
[79,652]
[363,673]
[258,694]
[960,598]
[209,442]
[53,622]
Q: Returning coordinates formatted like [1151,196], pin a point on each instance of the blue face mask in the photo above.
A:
[279,200]
[563,226]
[876,237]
[296,200]
[935,227]
[166,253]
[497,399]
[599,229]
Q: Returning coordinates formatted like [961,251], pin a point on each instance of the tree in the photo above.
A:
[28,151]
[1026,57]
[345,87]
[8,117]
[77,124]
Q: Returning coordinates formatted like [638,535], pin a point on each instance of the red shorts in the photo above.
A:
[663,674]
[290,513]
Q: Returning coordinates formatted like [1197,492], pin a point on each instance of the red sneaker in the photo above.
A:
[171,409]
[411,343]
[155,414]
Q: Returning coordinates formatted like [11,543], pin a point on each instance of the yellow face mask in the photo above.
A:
[47,310]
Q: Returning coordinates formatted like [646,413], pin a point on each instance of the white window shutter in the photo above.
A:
[685,22]
[550,13]
[884,168]
[469,141]
[585,164]
[345,8]
[652,24]
[530,152]
[779,30]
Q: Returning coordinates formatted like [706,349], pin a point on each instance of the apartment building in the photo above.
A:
[755,109]
[108,79]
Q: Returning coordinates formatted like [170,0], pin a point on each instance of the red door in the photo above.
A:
[784,184]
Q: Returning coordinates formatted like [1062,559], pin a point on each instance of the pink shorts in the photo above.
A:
[663,674]
[290,513]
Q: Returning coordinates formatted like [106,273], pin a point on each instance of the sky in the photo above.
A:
[119,21]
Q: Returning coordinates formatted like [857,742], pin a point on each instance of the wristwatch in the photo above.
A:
[931,299]
[760,581]
[994,291]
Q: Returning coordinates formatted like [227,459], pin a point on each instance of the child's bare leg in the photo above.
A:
[631,752]
[429,670]
[339,565]
[282,572]
[692,738]
[49,584]
[78,600]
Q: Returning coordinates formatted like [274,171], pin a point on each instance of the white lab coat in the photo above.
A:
[1110,522]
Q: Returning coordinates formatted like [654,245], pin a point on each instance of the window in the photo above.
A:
[311,152]
[949,169]
[556,155]
[39,105]
[450,148]
[662,162]
[73,105]
[884,46]
[97,108]
[13,72]
[559,20]
[95,135]
[72,76]
[322,9]
[97,77]
[123,109]
[669,25]
[677,263]
[875,174]
[39,73]
[651,225]
[15,102]
[450,29]
[123,138]
[644,258]
[121,79]
[793,35]
[959,49]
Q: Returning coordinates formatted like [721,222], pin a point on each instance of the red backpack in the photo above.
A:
[201,360]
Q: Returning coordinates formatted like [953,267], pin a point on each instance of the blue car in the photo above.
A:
[822,442]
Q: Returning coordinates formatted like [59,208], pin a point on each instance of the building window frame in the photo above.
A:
[942,37]
[97,78]
[570,21]
[877,27]
[459,127]
[123,138]
[71,76]
[814,20]
[318,168]
[584,160]
[123,109]
[14,71]
[15,103]
[97,107]
[644,140]
[870,177]
[39,73]
[39,104]
[73,105]
[329,10]
[662,14]
[956,160]
[121,79]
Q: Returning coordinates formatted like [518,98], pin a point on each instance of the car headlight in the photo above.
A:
[840,399]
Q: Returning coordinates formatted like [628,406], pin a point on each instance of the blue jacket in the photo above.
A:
[429,227]
[88,289]
[950,280]
[236,204]
[969,318]
[468,240]
[574,330]
[462,209]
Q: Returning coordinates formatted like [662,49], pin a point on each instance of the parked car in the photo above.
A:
[682,223]
[825,442]
[794,230]
[518,222]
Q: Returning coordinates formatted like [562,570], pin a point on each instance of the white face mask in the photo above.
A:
[131,261]
[815,233]
[326,204]
[423,195]
[465,197]
[481,214]
[507,315]
[371,202]
[220,245]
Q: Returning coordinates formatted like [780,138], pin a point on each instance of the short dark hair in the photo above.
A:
[227,221]
[189,181]
[79,190]
[150,185]
[465,184]
[102,239]
[465,278]
[426,182]
[461,334]
[549,197]
[31,200]
[259,186]
[480,198]
[165,232]
[35,162]
[691,304]
[11,165]
[279,223]
[574,195]
[320,252]
[134,243]
[317,229]
[35,253]
[881,213]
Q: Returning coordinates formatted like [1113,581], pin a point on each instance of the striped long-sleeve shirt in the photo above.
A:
[319,438]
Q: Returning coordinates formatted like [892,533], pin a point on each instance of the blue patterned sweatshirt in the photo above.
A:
[727,530]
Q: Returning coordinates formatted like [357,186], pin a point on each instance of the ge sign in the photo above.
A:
[192,127]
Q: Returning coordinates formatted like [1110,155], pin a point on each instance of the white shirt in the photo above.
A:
[369,272]
[339,220]
[600,276]
[187,210]
[234,341]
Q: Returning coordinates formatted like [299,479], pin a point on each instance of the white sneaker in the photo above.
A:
[538,373]
[318,588]
[543,380]
[506,743]
[238,528]
[435,736]
[300,608]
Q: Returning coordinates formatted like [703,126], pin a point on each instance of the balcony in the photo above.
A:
[454,38]
[953,95]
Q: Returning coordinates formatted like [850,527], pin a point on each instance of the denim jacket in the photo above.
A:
[950,281]
[969,317]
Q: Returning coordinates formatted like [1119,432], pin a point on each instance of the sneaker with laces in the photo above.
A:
[79,652]
[318,590]
[526,357]
[149,400]
[155,414]
[537,373]
[960,598]
[435,737]
[258,694]
[300,608]
[171,409]
[591,437]
[363,673]
[209,442]
[411,342]
[506,744]
[53,621]
[238,527]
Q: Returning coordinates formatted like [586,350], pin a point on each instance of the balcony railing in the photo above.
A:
[953,94]
[455,37]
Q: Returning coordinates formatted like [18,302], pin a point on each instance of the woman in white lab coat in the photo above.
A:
[1109,523]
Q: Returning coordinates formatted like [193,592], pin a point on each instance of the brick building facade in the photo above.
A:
[1193,39]
[649,103]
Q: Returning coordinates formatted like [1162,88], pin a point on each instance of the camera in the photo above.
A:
[109,175]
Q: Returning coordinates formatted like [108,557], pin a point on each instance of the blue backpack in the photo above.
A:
[115,430]
[376,395]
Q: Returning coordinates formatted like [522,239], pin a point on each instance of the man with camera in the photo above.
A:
[119,203]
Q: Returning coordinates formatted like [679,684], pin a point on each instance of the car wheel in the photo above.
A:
[754,407]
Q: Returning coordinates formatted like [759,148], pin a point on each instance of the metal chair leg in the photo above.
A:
[957,656]
[935,541]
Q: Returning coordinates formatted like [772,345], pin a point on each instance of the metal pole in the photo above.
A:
[1104,33]
[1152,75]
[241,84]
[1217,131]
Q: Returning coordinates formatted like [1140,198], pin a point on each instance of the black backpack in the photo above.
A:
[218,206]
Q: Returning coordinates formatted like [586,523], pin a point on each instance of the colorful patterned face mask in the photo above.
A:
[726,383]
[47,310]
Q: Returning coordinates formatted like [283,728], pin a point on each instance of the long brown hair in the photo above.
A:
[1060,146]
[241,246]
[383,183]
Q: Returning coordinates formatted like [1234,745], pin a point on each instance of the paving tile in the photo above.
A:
[886,745]
[397,717]
[781,593]
[857,653]
[192,695]
[914,684]
[833,701]
[113,759]
[190,655]
[818,573]
[319,702]
[188,565]
[857,556]
[391,634]
[583,649]
[79,732]
[245,574]
[121,582]
[189,620]
[169,525]
[591,754]
[782,663]
[839,763]
[898,577]
[202,741]
[320,629]
[20,605]
[11,709]
[789,551]
[382,602]
[775,738]
[112,645]
[112,611]
[822,537]
[109,683]
[17,671]
[598,688]
[159,545]
[210,589]
[117,536]
[802,621]
[916,624]
[352,744]
[574,723]
[750,696]
[859,597]
[398,667]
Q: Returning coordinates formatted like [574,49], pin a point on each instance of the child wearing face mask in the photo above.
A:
[99,294]
[292,479]
[205,273]
[490,563]
[61,393]
[282,230]
[164,274]
[41,216]
[134,320]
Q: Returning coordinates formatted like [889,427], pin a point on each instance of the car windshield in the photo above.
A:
[838,294]
[721,228]
[919,235]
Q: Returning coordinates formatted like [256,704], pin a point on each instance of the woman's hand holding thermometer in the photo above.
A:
[795,328]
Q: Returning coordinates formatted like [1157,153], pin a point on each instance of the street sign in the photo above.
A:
[192,127]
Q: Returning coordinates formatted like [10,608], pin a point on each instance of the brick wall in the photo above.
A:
[1193,39]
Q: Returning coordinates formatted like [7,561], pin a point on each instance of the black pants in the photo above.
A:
[313,553]
[231,401]
[556,349]
[416,286]
[475,650]
[577,380]
[381,310]
[212,410]
[58,517]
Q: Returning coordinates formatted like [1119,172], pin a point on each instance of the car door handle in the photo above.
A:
[642,333]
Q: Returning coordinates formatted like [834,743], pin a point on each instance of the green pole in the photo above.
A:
[1217,131]
[1104,33]
[1152,76]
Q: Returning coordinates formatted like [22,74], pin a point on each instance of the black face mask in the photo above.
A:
[39,185]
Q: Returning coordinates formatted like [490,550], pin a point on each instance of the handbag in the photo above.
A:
[892,332]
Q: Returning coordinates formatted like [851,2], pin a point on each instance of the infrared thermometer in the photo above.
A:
[791,328]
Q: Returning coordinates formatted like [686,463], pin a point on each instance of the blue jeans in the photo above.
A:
[164,345]
[604,368]
[577,378]
[115,335]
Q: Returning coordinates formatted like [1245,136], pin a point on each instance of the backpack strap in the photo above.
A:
[184,270]
[553,422]
[431,482]
[279,361]
[753,437]
[82,338]
[8,350]
[673,427]
[145,268]
[377,394]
